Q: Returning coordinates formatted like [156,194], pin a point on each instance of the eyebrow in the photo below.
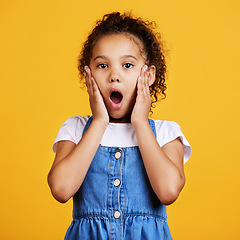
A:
[129,56]
[124,56]
[103,57]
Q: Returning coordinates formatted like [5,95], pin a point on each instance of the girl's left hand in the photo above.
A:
[143,100]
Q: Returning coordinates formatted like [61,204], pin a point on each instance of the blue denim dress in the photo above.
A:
[116,200]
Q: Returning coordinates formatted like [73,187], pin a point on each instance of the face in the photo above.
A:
[115,65]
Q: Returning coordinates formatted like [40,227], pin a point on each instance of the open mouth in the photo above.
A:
[116,97]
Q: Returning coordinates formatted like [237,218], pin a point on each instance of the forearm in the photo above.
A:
[165,178]
[67,175]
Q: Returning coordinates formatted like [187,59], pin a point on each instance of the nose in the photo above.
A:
[114,76]
[115,80]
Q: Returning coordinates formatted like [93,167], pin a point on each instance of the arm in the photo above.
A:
[72,161]
[164,165]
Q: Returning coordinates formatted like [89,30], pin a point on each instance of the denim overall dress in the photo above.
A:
[116,200]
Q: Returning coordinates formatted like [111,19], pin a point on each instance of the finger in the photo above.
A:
[86,76]
[139,86]
[88,79]
[89,85]
[141,77]
[147,90]
[144,73]
[94,85]
[140,81]
[146,84]
[144,68]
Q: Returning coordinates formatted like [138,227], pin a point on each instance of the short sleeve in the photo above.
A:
[168,131]
[71,130]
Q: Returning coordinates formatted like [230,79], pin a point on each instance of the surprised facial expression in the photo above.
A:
[116,64]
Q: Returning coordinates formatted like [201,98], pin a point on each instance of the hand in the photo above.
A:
[143,100]
[97,105]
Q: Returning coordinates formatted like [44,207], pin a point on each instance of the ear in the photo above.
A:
[152,74]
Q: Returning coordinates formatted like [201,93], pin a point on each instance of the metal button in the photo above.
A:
[116,182]
[117,155]
[116,214]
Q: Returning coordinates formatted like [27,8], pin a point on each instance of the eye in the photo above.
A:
[128,65]
[102,65]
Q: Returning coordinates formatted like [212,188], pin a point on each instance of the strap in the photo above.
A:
[152,125]
[87,125]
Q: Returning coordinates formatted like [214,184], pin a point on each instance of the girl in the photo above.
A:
[120,167]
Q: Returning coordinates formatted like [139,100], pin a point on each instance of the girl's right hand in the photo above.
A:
[97,105]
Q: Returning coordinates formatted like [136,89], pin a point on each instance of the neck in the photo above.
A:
[125,119]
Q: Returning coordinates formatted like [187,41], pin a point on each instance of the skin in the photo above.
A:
[118,63]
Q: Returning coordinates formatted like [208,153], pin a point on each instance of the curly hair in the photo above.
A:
[115,23]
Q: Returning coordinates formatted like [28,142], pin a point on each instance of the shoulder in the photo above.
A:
[74,126]
[168,131]
[76,121]
[71,130]
[162,125]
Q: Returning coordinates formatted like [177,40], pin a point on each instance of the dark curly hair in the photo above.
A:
[115,23]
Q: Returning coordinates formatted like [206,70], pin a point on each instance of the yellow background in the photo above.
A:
[39,45]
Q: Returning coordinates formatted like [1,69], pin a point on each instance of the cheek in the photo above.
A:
[133,75]
[101,83]
[132,87]
[93,73]
[133,78]
[98,76]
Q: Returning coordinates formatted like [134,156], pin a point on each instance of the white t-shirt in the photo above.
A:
[122,134]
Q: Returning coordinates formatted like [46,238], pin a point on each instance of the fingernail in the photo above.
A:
[145,68]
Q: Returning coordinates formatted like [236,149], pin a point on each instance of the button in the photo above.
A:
[116,214]
[116,182]
[117,155]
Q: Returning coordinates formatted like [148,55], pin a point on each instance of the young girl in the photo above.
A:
[120,167]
